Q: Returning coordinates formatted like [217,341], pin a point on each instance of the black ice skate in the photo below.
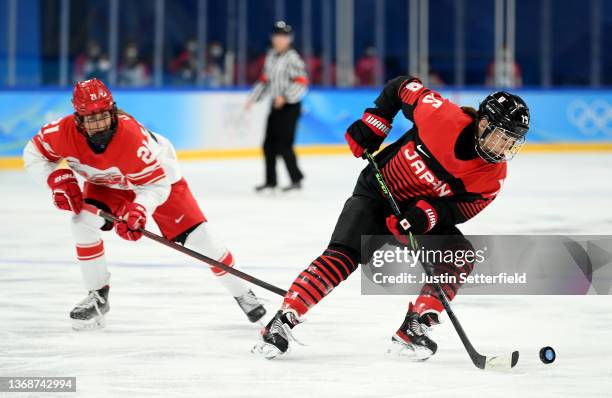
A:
[411,338]
[251,306]
[277,335]
[89,313]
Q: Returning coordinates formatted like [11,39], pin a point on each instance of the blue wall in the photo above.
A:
[28,63]
[571,33]
[204,119]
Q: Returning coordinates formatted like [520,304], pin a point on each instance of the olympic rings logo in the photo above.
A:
[592,118]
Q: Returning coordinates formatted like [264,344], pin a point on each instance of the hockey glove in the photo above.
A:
[66,191]
[367,133]
[133,217]
[420,219]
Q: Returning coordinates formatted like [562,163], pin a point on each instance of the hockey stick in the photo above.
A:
[191,253]
[481,361]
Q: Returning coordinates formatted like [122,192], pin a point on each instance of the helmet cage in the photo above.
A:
[497,144]
[100,139]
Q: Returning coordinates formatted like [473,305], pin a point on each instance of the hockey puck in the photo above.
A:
[547,355]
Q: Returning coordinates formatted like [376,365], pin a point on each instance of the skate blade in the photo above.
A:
[266,350]
[98,322]
[409,352]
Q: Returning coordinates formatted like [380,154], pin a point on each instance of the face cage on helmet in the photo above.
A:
[492,137]
[101,138]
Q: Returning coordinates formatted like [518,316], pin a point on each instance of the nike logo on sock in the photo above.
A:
[178,220]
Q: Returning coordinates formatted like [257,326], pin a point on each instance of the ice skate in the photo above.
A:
[251,306]
[89,313]
[411,338]
[277,335]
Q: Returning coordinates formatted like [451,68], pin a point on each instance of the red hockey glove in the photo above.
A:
[367,133]
[420,219]
[66,191]
[133,217]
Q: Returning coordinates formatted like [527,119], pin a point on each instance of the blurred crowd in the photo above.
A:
[217,68]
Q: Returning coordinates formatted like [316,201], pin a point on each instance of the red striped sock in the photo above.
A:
[428,298]
[318,280]
[228,260]
[90,251]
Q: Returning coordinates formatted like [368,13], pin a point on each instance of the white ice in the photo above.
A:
[173,331]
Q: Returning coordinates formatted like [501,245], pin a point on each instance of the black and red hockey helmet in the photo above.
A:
[508,122]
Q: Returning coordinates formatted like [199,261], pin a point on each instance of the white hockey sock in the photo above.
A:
[90,249]
[236,286]
[93,265]
[201,241]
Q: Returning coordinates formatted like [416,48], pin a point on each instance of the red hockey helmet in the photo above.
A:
[94,105]
[92,96]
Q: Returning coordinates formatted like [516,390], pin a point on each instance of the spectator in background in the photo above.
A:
[132,71]
[214,75]
[506,73]
[314,67]
[434,78]
[93,63]
[368,68]
[255,67]
[184,68]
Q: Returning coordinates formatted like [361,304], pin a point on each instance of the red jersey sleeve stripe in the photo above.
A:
[411,91]
[470,209]
[38,143]
[153,176]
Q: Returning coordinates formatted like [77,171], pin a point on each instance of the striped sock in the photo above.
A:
[428,298]
[93,264]
[319,279]
[236,286]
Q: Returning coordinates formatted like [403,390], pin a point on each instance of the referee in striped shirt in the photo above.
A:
[284,78]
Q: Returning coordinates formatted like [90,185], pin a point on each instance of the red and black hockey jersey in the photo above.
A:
[435,159]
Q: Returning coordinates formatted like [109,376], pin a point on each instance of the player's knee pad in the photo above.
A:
[201,240]
[86,227]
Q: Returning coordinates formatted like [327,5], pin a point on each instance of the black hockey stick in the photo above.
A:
[481,361]
[192,253]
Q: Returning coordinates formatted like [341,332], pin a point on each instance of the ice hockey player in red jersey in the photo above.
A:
[131,172]
[448,167]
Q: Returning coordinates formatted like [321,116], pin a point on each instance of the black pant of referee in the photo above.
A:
[280,135]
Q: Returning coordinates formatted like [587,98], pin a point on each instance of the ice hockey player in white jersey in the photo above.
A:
[130,172]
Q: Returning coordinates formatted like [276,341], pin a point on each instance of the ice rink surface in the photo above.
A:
[173,331]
